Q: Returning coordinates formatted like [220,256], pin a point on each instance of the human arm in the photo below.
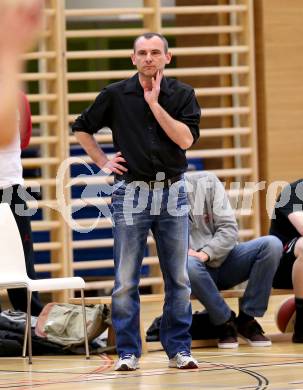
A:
[19,23]
[296,219]
[290,205]
[91,120]
[25,122]
[225,225]
[9,68]
[176,130]
[90,145]
[224,239]
[213,227]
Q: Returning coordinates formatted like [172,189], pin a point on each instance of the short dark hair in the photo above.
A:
[151,35]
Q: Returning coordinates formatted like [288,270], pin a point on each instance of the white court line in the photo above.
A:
[143,361]
[36,370]
[44,371]
[265,354]
[37,358]
[97,359]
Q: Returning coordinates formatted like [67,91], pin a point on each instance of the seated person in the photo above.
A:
[287,225]
[217,262]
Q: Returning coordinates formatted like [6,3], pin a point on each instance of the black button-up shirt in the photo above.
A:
[136,133]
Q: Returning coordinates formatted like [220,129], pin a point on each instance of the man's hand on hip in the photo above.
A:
[114,165]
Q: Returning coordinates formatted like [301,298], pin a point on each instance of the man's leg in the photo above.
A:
[18,296]
[297,279]
[204,288]
[202,279]
[297,271]
[255,261]
[129,246]
[177,313]
[171,235]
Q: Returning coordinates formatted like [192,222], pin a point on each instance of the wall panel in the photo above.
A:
[81,50]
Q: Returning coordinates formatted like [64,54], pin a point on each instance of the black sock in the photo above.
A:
[243,317]
[299,315]
[231,318]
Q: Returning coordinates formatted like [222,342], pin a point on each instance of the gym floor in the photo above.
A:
[277,367]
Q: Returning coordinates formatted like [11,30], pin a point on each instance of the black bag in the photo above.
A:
[201,328]
[153,332]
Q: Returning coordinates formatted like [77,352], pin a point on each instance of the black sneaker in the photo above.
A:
[252,332]
[227,333]
[297,338]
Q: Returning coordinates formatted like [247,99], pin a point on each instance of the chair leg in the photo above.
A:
[143,341]
[25,337]
[29,329]
[84,325]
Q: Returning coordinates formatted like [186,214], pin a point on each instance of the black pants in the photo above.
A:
[18,296]
[283,276]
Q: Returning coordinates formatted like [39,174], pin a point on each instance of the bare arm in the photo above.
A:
[25,122]
[9,68]
[176,130]
[19,24]
[90,145]
[296,219]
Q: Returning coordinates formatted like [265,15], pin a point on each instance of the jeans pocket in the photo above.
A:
[119,188]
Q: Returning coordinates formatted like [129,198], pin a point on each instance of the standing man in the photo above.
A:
[154,119]
[218,262]
[287,225]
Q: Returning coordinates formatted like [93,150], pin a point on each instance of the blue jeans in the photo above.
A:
[255,261]
[134,211]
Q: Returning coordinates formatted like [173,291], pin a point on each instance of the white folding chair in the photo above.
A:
[13,274]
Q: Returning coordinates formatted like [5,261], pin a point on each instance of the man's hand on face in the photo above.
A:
[151,92]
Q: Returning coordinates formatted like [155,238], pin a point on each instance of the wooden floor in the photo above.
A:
[277,367]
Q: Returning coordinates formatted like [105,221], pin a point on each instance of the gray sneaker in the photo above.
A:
[183,360]
[127,362]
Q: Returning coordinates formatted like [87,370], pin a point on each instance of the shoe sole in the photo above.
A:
[257,343]
[125,367]
[189,366]
[228,345]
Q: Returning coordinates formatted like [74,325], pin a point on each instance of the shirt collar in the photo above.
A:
[132,85]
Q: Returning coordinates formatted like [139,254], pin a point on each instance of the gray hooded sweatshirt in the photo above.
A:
[213,226]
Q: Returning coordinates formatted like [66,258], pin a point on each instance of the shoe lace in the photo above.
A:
[255,328]
[228,330]
[126,356]
[185,354]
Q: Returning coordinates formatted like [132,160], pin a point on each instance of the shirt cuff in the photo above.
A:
[208,250]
